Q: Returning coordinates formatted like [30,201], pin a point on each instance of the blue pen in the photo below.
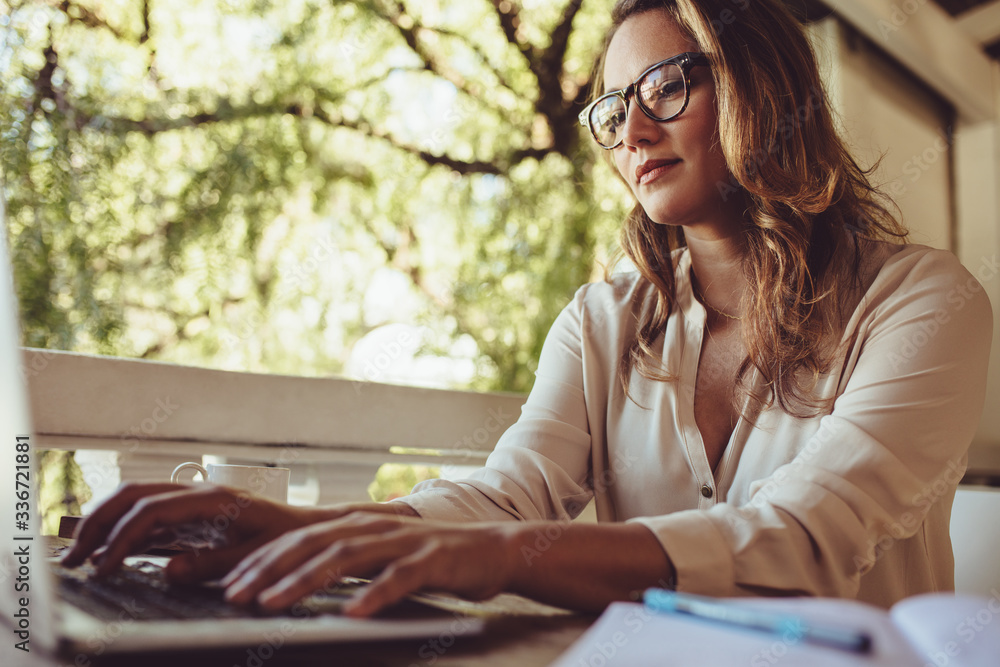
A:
[783,625]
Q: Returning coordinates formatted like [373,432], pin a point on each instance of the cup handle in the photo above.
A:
[197,466]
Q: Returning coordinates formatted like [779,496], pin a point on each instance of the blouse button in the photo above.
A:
[706,491]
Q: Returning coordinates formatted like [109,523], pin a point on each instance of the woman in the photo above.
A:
[749,411]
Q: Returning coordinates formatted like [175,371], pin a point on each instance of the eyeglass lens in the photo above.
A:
[661,96]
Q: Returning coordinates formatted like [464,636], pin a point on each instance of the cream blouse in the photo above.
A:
[854,503]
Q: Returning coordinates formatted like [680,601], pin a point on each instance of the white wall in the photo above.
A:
[900,81]
[977,189]
[891,119]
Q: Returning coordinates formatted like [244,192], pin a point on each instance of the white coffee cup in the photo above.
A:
[261,480]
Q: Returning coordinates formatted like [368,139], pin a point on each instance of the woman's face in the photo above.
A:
[675,168]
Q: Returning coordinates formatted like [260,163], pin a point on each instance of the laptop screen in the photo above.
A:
[25,602]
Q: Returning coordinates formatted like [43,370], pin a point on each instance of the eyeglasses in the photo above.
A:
[662,92]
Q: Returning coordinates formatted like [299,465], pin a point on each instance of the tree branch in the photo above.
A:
[86,16]
[152,126]
[501,79]
[551,61]
[410,31]
[461,166]
[550,69]
[179,320]
[144,37]
[510,18]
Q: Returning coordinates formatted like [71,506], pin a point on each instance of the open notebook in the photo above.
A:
[939,630]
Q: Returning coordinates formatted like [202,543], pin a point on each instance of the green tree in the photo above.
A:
[217,182]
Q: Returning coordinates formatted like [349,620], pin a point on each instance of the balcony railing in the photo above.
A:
[333,433]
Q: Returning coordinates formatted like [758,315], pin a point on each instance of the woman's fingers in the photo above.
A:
[405,576]
[353,556]
[264,559]
[408,556]
[208,564]
[215,508]
[272,562]
[94,530]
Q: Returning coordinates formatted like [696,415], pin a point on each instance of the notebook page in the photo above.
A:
[952,630]
[627,635]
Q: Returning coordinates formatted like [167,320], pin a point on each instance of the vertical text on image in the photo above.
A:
[22,543]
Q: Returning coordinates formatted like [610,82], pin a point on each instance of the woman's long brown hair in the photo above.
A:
[805,197]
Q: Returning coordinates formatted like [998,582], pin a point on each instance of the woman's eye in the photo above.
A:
[668,89]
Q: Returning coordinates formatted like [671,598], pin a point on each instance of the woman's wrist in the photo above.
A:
[524,544]
[332,512]
[583,566]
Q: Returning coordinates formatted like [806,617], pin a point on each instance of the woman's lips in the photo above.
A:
[652,169]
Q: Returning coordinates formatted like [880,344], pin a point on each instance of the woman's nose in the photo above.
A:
[638,128]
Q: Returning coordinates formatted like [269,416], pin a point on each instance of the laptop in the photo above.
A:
[67,612]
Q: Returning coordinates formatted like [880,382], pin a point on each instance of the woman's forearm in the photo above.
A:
[585,566]
[343,509]
[577,566]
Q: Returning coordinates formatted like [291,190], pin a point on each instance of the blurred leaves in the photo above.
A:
[63,489]
[394,480]
[218,182]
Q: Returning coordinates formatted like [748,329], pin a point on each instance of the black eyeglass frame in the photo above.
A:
[685,61]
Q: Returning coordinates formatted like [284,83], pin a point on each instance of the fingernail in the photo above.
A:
[354,607]
[268,596]
[236,592]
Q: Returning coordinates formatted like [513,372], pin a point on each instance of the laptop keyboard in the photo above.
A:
[141,591]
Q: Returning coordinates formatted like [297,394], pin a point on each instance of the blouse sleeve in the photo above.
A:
[539,469]
[896,440]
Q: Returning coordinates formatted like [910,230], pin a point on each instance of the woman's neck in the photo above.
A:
[717,272]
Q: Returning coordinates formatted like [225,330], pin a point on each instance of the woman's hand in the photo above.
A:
[403,554]
[582,566]
[139,515]
[275,554]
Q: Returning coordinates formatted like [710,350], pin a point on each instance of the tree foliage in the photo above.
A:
[257,185]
